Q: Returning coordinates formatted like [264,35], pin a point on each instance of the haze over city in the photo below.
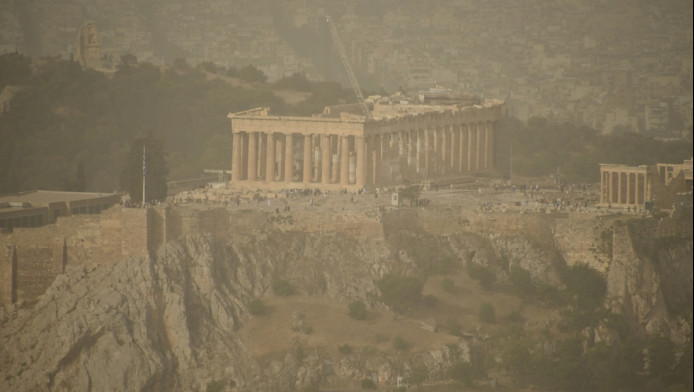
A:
[320,195]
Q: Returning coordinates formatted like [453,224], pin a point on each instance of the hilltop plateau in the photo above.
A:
[475,290]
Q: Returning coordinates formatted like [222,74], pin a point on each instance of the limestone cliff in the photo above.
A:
[170,322]
[164,324]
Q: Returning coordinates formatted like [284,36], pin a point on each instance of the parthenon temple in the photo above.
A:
[341,150]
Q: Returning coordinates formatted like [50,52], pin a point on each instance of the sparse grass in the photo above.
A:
[448,286]
[345,349]
[257,307]
[400,344]
[453,327]
[215,386]
[380,338]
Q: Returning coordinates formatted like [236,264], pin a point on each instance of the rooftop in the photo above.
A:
[44,198]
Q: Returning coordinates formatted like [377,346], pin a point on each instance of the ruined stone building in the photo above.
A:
[89,51]
[342,150]
[634,186]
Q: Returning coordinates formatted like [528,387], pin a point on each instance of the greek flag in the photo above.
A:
[144,160]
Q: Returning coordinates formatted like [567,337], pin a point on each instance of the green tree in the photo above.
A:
[147,157]
[467,372]
[357,310]
[400,293]
[250,73]
[661,358]
[368,384]
[585,285]
[297,81]
[15,69]
[487,313]
[399,343]
[418,375]
[522,282]
[257,307]
[283,288]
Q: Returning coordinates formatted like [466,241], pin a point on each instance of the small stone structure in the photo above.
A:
[345,151]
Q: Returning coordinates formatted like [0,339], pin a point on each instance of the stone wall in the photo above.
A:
[42,252]
[585,239]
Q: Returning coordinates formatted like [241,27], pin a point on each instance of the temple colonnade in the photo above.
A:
[622,185]
[349,153]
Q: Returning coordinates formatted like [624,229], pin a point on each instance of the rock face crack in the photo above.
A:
[82,344]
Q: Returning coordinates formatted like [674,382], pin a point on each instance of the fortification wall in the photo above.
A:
[585,239]
[41,253]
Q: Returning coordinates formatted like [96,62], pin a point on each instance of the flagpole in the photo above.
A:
[144,172]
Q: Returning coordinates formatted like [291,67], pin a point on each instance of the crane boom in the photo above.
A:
[348,68]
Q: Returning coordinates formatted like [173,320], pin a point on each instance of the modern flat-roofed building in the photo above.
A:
[38,208]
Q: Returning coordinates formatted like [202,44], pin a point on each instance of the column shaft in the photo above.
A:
[490,145]
[360,149]
[325,158]
[236,158]
[252,156]
[462,148]
[308,158]
[470,148]
[270,158]
[288,158]
[344,161]
[479,154]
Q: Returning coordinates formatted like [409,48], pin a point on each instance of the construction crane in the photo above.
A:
[348,68]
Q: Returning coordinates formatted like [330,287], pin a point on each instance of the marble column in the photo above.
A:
[376,162]
[252,156]
[288,158]
[325,158]
[462,148]
[270,158]
[428,147]
[479,154]
[236,159]
[344,161]
[402,154]
[490,145]
[308,159]
[453,160]
[471,133]
[262,160]
[360,149]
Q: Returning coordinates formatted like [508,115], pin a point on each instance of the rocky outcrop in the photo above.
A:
[649,279]
[170,322]
[164,324]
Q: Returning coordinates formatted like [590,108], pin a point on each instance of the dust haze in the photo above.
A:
[317,195]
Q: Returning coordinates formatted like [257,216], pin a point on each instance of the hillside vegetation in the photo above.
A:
[62,116]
